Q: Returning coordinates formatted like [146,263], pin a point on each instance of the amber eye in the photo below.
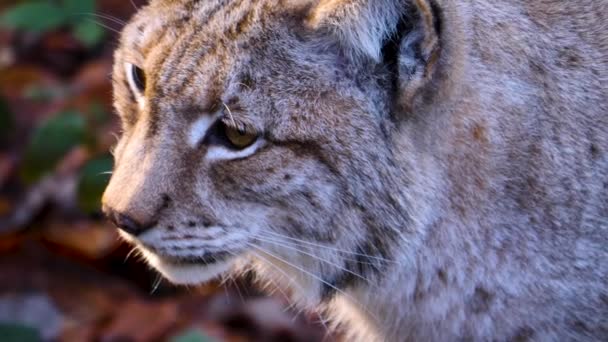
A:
[239,139]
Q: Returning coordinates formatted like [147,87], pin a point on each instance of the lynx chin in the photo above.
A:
[417,170]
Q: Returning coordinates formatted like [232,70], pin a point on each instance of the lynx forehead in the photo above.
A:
[426,170]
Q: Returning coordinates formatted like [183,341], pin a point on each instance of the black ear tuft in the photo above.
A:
[392,47]
[410,52]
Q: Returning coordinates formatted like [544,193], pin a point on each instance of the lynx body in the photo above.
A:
[427,170]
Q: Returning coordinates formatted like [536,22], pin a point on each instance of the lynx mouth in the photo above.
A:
[191,270]
[206,259]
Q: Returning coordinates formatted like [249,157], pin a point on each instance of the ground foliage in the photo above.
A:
[64,274]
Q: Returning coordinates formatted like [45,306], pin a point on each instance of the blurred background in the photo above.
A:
[64,274]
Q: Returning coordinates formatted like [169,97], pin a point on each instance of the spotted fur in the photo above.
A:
[427,170]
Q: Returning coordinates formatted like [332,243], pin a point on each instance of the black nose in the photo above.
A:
[126,222]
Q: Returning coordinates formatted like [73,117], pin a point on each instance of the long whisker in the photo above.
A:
[229,114]
[104,26]
[285,296]
[159,279]
[244,85]
[290,280]
[234,283]
[331,248]
[325,261]
[133,251]
[104,16]
[224,279]
[226,276]
[290,244]
[317,278]
[134,5]
[238,290]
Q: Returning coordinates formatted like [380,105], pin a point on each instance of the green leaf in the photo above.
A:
[34,16]
[98,114]
[18,333]
[94,178]
[6,120]
[50,142]
[42,94]
[78,9]
[192,336]
[88,32]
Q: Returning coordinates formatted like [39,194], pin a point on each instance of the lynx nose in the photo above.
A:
[126,222]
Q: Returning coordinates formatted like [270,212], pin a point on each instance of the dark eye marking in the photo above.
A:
[136,77]
[140,78]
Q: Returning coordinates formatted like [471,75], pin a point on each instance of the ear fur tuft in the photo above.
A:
[404,35]
[364,26]
[360,25]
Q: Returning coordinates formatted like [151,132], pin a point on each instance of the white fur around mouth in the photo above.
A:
[188,273]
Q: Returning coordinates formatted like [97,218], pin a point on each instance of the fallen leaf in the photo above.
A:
[34,310]
[92,84]
[194,335]
[34,16]
[94,178]
[90,239]
[18,333]
[141,321]
[50,142]
[7,166]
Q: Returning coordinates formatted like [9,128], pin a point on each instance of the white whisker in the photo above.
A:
[279,241]
[134,5]
[332,248]
[104,16]
[244,85]
[238,290]
[323,260]
[229,114]
[157,283]
[226,276]
[317,278]
[105,26]
[289,279]
[133,251]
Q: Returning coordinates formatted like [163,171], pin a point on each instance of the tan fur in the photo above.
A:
[427,170]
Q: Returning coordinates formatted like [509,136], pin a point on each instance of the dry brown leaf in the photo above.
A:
[141,321]
[7,166]
[92,84]
[93,240]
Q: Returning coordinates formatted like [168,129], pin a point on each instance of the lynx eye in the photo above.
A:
[136,77]
[239,139]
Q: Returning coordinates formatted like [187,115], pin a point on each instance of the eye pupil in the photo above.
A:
[139,78]
[238,138]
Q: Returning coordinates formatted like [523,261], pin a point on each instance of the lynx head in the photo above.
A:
[264,129]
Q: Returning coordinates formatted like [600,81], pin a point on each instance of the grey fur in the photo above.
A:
[454,152]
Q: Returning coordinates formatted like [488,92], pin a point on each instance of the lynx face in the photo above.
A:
[244,129]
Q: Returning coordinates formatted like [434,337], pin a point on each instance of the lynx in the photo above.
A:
[418,170]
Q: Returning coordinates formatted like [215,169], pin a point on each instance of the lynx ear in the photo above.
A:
[403,34]
[364,26]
